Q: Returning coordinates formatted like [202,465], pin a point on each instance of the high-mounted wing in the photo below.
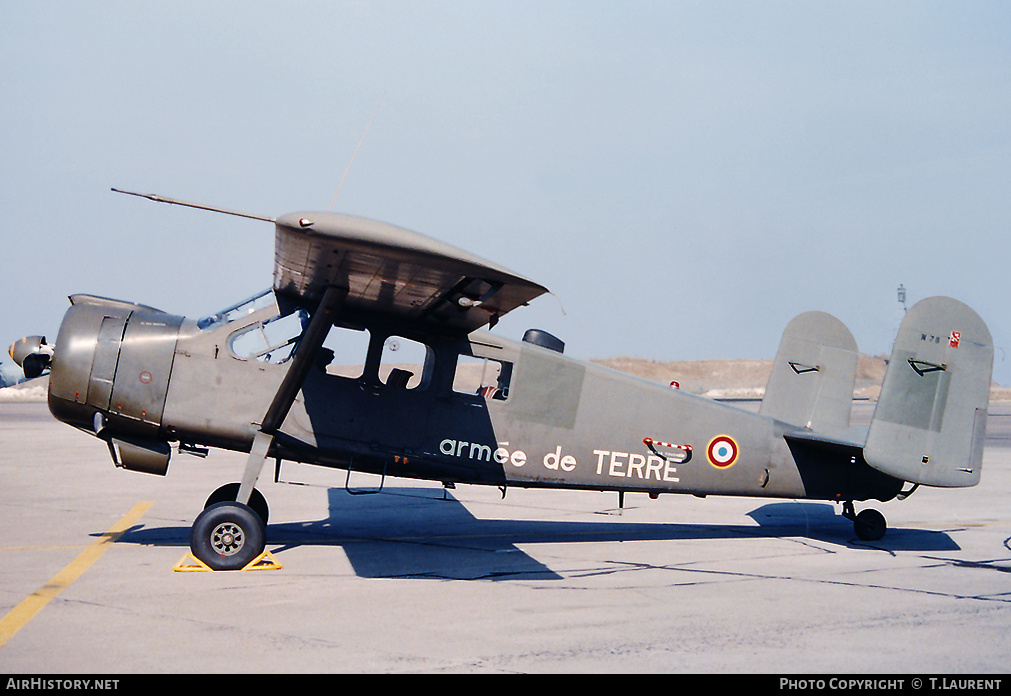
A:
[385,270]
[394,272]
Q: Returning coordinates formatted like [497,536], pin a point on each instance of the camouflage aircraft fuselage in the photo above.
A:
[264,377]
[549,421]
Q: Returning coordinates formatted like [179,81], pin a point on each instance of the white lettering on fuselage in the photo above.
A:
[482,453]
[613,464]
[555,460]
[633,465]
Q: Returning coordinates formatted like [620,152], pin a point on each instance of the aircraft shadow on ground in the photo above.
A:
[427,533]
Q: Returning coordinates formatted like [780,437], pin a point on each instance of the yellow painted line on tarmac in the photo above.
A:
[34,603]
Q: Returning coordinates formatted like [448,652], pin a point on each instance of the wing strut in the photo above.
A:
[305,354]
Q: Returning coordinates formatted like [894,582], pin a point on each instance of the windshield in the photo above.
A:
[237,311]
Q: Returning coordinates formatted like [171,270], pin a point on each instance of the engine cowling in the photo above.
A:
[110,375]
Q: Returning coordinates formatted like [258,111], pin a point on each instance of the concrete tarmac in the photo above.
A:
[417,579]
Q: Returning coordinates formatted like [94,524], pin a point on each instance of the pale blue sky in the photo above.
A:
[685,176]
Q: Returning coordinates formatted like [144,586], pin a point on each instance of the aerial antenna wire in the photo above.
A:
[199,206]
[355,153]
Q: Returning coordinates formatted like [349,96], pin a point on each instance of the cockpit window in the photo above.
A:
[238,311]
[269,341]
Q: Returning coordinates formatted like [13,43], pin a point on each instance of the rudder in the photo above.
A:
[930,420]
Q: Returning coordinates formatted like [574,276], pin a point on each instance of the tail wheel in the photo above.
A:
[870,525]
[227,536]
[230,491]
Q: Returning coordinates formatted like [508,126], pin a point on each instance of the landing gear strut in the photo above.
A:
[869,525]
[228,535]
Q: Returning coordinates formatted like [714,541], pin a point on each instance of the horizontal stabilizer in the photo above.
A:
[811,385]
[930,420]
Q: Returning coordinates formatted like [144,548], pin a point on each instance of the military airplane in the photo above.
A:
[477,408]
[11,375]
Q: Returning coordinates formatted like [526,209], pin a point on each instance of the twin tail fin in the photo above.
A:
[930,420]
[811,384]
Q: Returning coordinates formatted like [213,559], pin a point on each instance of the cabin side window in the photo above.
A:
[485,377]
[344,352]
[404,363]
[394,361]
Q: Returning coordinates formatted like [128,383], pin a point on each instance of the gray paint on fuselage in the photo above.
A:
[565,423]
[548,388]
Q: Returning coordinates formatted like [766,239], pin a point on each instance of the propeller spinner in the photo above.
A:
[32,354]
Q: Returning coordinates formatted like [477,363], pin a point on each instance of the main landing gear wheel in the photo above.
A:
[227,536]
[230,491]
[869,525]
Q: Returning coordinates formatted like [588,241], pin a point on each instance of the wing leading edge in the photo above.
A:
[392,271]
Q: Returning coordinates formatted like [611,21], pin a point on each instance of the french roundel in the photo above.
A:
[722,451]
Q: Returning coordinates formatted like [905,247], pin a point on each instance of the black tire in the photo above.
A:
[230,491]
[227,536]
[870,525]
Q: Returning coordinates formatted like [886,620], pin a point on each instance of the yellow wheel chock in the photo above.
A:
[191,564]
